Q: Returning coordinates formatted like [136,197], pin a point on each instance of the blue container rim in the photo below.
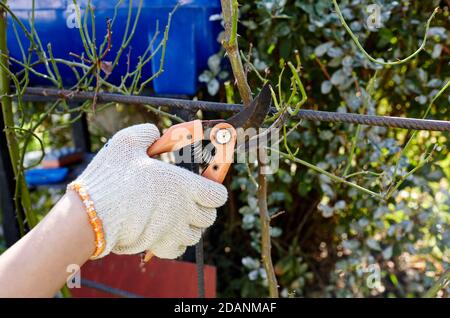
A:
[108,4]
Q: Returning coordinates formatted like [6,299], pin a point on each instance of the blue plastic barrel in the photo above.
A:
[192,38]
[37,176]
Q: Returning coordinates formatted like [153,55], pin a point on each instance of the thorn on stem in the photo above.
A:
[277,215]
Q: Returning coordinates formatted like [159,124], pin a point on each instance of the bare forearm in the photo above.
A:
[36,266]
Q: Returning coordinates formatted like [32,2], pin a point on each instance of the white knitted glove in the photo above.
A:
[146,204]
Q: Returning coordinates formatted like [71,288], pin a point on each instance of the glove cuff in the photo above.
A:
[96,184]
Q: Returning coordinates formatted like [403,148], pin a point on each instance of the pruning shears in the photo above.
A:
[210,144]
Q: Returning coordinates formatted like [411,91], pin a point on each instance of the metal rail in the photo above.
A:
[193,105]
[108,289]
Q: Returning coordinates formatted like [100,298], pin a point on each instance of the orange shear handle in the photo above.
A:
[177,137]
[222,136]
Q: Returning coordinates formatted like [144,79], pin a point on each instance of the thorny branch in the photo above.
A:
[230,17]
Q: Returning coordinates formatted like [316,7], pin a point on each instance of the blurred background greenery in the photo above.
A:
[333,241]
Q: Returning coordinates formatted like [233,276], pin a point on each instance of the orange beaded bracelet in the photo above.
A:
[94,220]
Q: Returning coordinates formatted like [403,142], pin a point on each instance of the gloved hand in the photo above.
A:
[147,204]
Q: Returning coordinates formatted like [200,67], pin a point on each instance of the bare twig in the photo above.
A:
[230,15]
[323,68]
[277,214]
[330,175]
[379,61]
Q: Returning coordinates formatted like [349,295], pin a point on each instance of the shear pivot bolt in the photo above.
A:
[223,136]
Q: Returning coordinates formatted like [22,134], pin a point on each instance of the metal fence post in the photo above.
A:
[11,230]
[80,132]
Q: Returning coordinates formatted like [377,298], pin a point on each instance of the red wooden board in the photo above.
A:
[158,278]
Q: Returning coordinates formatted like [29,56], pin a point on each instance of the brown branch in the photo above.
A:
[266,255]
[230,13]
[82,58]
[323,68]
[109,41]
